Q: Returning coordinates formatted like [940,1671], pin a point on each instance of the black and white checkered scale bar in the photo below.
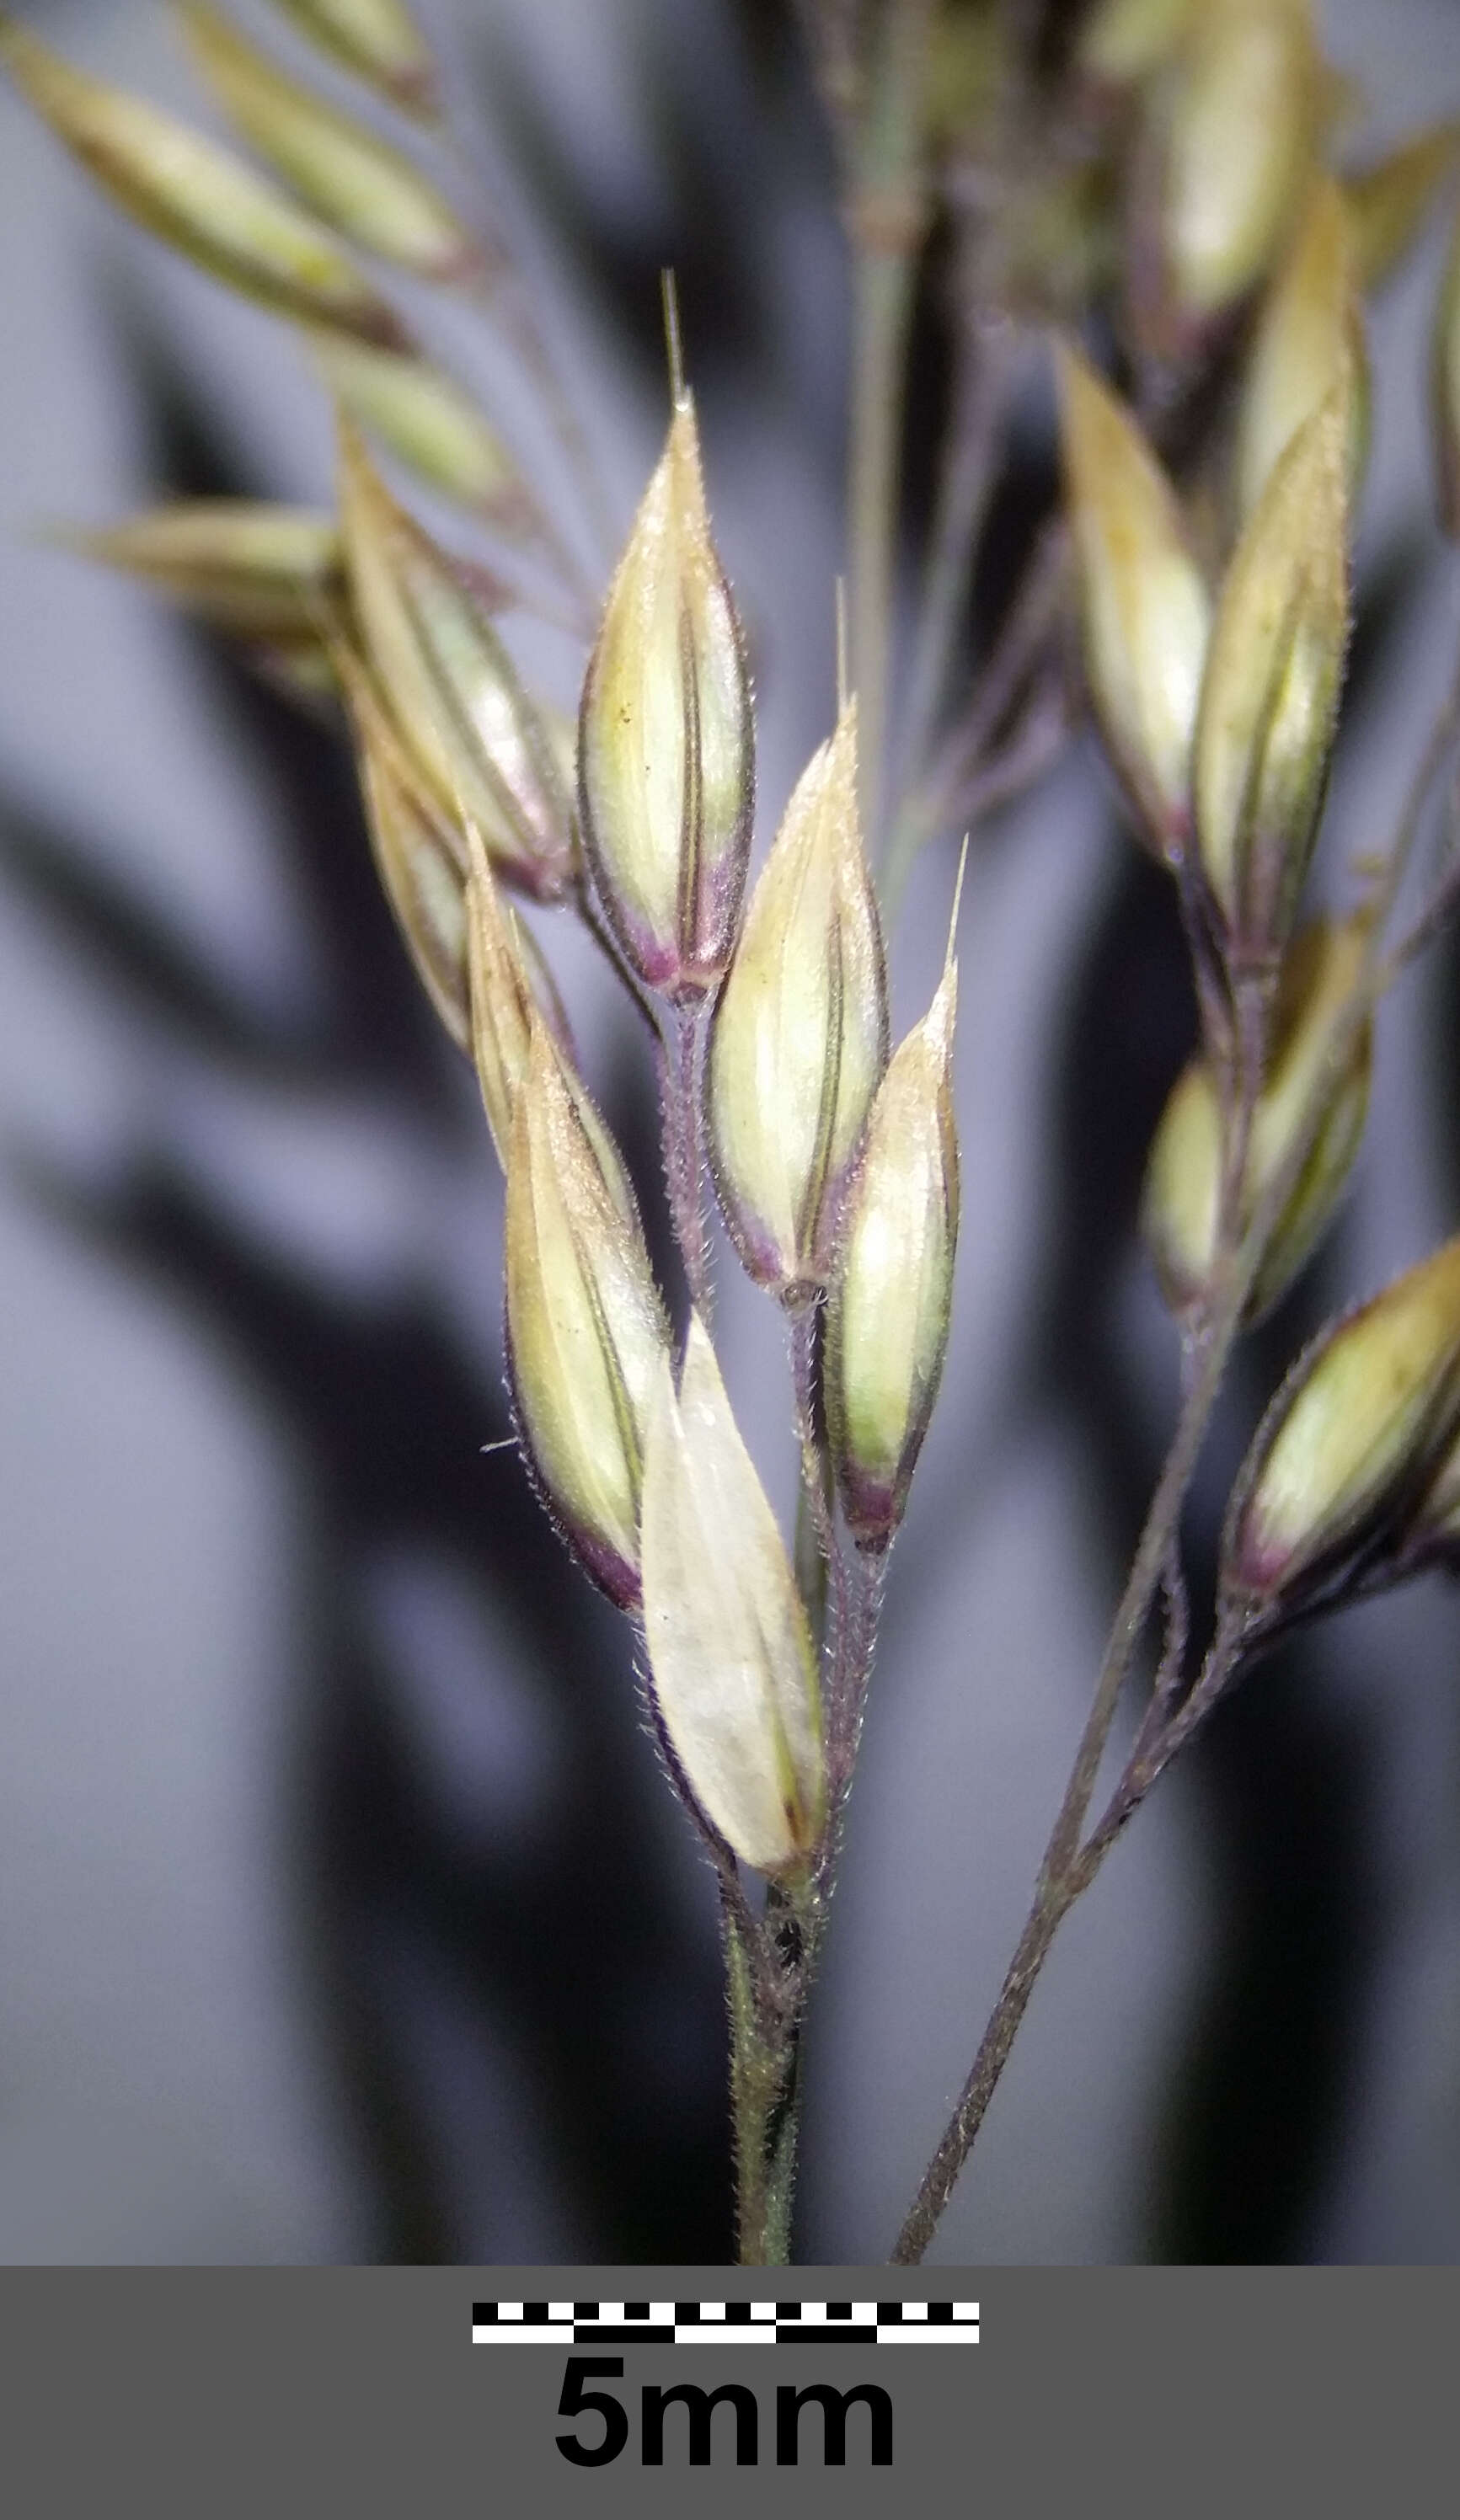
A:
[725,2322]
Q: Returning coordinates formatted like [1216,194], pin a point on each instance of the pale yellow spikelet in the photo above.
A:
[511,986]
[1147,615]
[586,1331]
[1126,41]
[1269,696]
[1309,339]
[1180,1211]
[379,41]
[1388,202]
[262,570]
[1231,127]
[429,424]
[351,178]
[1243,130]
[666,738]
[800,1031]
[451,686]
[892,1293]
[419,853]
[730,1653]
[199,197]
[1365,1421]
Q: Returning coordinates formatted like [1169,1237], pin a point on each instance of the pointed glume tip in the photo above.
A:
[957,899]
[672,344]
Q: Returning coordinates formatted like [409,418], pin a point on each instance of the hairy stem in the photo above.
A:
[770,1961]
[1153,1753]
[939,2178]
[1153,1553]
[820,1567]
[854,1647]
[682,1105]
[762,2076]
[851,1588]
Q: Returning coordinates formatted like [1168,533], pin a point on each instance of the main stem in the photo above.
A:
[768,1976]
[772,1959]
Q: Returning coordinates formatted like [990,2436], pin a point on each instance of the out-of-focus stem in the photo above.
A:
[1033,745]
[497,286]
[886,216]
[980,392]
[1026,628]
[955,787]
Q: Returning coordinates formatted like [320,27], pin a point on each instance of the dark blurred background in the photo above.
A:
[342,1911]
